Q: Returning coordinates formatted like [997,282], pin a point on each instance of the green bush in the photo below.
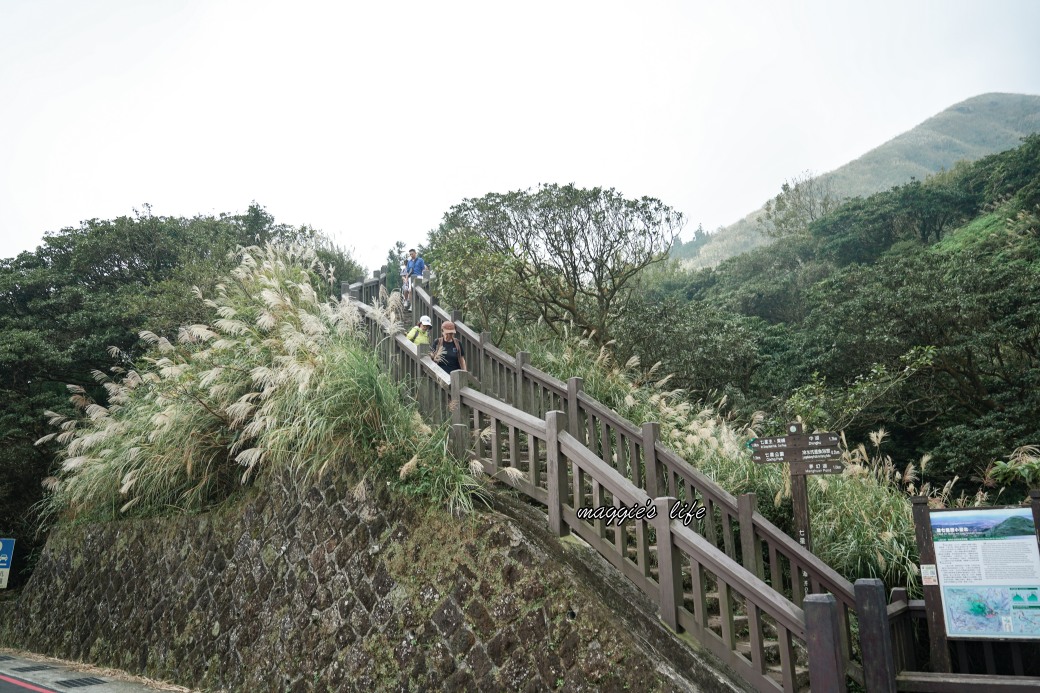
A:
[280,380]
[861,521]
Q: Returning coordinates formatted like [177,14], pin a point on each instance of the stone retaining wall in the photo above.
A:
[318,591]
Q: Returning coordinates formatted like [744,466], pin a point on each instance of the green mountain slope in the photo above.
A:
[969,130]
[1012,527]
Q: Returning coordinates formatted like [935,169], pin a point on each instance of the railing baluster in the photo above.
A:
[532,459]
[514,460]
[758,655]
[642,549]
[496,445]
[597,502]
[699,591]
[725,612]
[787,658]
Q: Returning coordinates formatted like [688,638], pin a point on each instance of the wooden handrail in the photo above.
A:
[740,578]
[835,583]
[545,380]
[503,412]
[820,571]
[500,355]
[730,574]
[604,412]
[719,495]
[607,476]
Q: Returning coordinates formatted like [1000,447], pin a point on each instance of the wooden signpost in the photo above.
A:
[816,453]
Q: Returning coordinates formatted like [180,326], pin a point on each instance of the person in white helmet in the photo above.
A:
[420,334]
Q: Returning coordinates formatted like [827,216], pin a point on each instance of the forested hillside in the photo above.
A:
[915,310]
[88,288]
[966,131]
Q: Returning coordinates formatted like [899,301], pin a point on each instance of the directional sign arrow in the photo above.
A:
[807,454]
[774,455]
[823,439]
[817,454]
[813,468]
[777,442]
[796,440]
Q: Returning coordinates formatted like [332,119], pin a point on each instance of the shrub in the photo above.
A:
[861,520]
[280,380]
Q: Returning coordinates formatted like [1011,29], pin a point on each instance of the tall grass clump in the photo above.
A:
[279,380]
[862,522]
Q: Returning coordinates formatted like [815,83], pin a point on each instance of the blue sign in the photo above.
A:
[6,553]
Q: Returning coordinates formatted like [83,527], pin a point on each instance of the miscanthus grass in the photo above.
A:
[861,520]
[280,379]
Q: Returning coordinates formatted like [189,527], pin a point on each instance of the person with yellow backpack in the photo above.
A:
[420,334]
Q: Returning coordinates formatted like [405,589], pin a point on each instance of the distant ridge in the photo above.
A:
[1012,527]
[982,125]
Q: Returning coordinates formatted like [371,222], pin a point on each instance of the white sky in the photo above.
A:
[370,119]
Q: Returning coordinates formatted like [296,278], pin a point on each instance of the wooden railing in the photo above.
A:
[732,580]
[895,645]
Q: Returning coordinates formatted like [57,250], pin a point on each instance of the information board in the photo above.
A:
[6,556]
[988,566]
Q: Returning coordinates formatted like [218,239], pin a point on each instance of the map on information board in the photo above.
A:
[988,565]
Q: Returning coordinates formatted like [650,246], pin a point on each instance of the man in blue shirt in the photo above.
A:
[416,265]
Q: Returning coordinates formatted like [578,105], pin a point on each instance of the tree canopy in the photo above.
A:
[914,309]
[570,254]
[800,202]
[87,288]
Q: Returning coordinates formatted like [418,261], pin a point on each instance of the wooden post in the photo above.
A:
[459,380]
[823,641]
[800,501]
[651,434]
[574,386]
[875,636]
[938,646]
[555,423]
[424,351]
[903,636]
[751,553]
[485,340]
[668,563]
[1034,499]
[459,440]
[522,359]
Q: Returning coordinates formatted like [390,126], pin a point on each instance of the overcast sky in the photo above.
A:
[369,120]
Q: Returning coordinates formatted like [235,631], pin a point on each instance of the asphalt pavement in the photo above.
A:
[19,674]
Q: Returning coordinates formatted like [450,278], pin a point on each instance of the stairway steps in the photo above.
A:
[801,676]
[770,648]
[739,623]
[513,449]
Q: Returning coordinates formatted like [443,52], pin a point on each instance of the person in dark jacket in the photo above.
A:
[446,351]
